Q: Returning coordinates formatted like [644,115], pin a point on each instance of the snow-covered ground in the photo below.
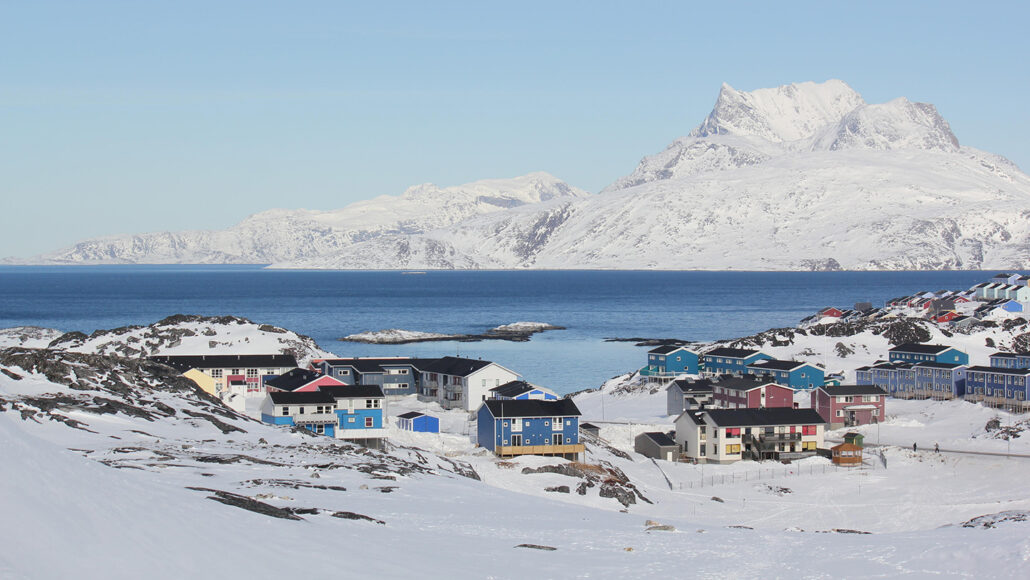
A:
[113,468]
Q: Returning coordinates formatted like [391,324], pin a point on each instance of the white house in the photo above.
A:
[730,435]
[461,383]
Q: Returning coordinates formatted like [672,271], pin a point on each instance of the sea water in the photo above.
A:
[592,305]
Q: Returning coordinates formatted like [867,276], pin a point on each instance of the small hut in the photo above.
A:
[418,422]
[854,438]
[590,429]
[846,454]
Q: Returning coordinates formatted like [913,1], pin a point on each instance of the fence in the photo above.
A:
[782,472]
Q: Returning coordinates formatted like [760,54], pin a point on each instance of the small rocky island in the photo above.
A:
[514,332]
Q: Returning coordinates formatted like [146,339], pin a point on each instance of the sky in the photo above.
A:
[124,117]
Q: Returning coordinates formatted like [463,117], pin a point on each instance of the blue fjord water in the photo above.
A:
[592,305]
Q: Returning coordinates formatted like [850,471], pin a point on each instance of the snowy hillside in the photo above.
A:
[282,234]
[801,177]
[130,471]
[181,334]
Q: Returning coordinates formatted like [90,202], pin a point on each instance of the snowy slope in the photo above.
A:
[811,170]
[282,234]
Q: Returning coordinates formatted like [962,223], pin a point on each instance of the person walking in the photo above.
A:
[913,447]
[936,448]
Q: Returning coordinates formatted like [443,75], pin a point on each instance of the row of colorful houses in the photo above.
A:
[669,361]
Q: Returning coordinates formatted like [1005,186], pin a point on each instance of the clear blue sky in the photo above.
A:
[131,116]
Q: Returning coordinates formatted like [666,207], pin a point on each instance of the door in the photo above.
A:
[557,439]
[516,440]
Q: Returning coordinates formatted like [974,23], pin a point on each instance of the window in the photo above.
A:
[876,412]
[252,373]
[350,419]
[372,403]
[235,372]
[840,413]
[342,372]
[369,422]
[808,445]
[286,411]
[320,429]
[216,373]
[730,449]
[557,438]
[516,424]
[558,423]
[808,430]
[300,410]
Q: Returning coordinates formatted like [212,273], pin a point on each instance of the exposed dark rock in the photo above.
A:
[558,489]
[272,329]
[11,375]
[989,521]
[718,499]
[236,458]
[292,484]
[537,547]
[354,516]
[842,350]
[221,425]
[248,504]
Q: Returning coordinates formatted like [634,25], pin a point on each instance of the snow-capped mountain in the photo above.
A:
[804,176]
[281,234]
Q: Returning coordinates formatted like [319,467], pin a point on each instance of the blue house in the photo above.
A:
[998,387]
[730,361]
[794,374]
[1010,360]
[314,411]
[352,412]
[519,390]
[418,422]
[672,360]
[530,427]
[898,379]
[940,381]
[914,352]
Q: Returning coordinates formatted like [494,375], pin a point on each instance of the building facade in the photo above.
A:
[529,427]
[731,435]
[849,405]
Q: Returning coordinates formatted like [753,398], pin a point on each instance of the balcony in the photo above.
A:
[315,419]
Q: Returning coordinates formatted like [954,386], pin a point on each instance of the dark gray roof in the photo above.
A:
[376,365]
[745,383]
[731,352]
[937,365]
[770,416]
[532,408]
[411,415]
[452,365]
[779,365]
[293,380]
[305,398]
[183,363]
[667,348]
[660,438]
[686,386]
[1005,355]
[588,426]
[842,390]
[514,389]
[999,370]
[916,347]
[354,391]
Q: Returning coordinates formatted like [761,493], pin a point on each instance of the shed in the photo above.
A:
[656,445]
[846,454]
[418,422]
[590,428]
[854,438]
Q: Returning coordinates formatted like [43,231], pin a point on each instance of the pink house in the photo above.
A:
[750,393]
[300,381]
[850,405]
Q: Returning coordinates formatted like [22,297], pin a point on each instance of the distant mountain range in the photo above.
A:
[800,177]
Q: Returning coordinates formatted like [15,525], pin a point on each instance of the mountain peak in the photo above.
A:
[781,114]
[897,124]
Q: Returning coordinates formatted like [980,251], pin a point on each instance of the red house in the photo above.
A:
[830,311]
[750,393]
[946,316]
[850,405]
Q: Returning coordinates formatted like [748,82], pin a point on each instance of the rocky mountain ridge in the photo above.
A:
[805,176]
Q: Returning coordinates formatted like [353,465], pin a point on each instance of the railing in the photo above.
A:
[779,437]
[540,449]
[315,419]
